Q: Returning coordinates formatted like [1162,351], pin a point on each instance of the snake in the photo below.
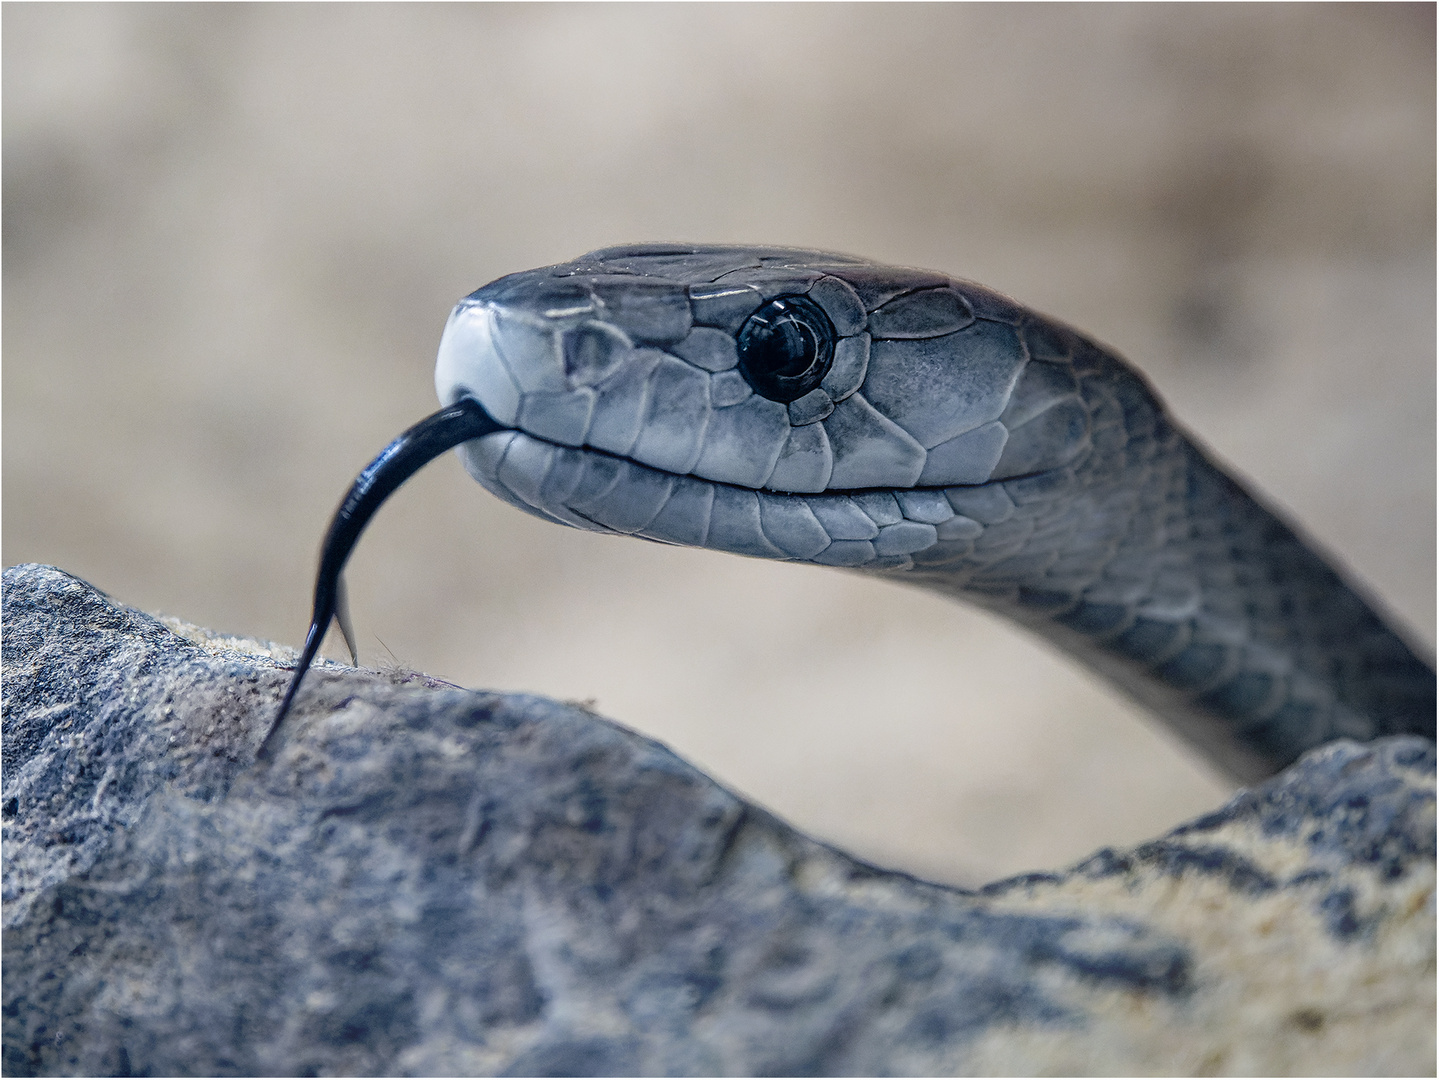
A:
[813,407]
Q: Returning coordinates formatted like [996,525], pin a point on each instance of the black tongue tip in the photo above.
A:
[396,463]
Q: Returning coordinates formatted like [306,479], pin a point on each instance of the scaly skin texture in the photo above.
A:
[1164,574]
[959,442]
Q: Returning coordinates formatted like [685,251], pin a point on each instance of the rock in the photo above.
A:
[432,880]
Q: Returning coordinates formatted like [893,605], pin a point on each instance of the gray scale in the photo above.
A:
[991,305]
[850,365]
[881,507]
[989,504]
[841,303]
[559,418]
[723,307]
[1055,436]
[530,350]
[647,311]
[942,556]
[677,414]
[791,526]
[773,281]
[564,476]
[633,501]
[685,518]
[620,407]
[877,285]
[917,386]
[926,505]
[870,450]
[600,476]
[728,388]
[842,519]
[735,524]
[851,553]
[523,467]
[927,313]
[810,409]
[710,349]
[958,438]
[904,538]
[1046,341]
[1040,387]
[958,528]
[742,443]
[971,458]
[806,462]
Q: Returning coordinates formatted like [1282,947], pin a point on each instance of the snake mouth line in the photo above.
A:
[837,492]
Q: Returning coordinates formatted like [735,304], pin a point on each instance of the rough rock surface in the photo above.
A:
[433,880]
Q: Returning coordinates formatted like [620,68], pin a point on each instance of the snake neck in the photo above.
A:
[1167,577]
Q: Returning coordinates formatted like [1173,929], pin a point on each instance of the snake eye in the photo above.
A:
[786,348]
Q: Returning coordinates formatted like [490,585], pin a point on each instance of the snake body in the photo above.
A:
[812,407]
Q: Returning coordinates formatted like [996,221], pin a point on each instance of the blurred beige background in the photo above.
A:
[232,235]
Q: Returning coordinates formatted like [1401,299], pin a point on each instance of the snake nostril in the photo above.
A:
[786,348]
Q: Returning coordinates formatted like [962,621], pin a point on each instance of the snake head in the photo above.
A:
[785,404]
[811,407]
[775,402]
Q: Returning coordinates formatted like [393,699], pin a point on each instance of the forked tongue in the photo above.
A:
[396,463]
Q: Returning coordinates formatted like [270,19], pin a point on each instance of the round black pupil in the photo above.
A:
[785,348]
[789,348]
